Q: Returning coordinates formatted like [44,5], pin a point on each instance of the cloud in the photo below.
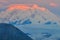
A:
[42,8]
[52,4]
[18,6]
[35,6]
[25,7]
[43,3]
[39,2]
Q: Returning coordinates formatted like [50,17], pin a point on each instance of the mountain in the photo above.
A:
[35,16]
[10,32]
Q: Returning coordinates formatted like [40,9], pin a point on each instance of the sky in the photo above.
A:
[51,5]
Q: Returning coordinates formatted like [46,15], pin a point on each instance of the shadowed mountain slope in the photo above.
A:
[9,32]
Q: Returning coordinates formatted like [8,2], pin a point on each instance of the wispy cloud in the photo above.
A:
[52,4]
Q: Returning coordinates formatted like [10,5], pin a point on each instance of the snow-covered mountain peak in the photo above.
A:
[40,15]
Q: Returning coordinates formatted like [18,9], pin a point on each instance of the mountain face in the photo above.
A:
[10,32]
[34,16]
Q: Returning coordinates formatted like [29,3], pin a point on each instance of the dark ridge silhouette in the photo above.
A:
[9,32]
